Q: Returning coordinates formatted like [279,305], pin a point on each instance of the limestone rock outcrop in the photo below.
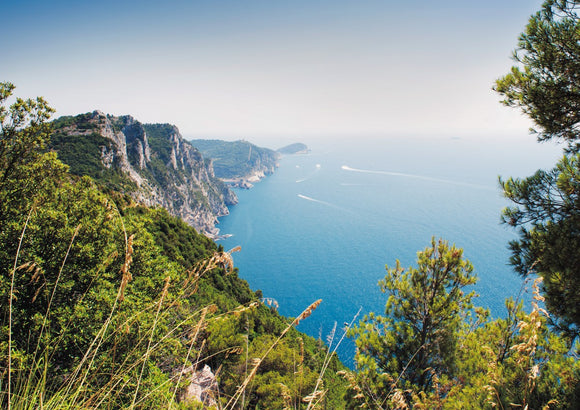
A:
[150,162]
[202,387]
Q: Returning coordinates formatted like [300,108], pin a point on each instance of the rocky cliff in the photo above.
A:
[150,162]
[238,163]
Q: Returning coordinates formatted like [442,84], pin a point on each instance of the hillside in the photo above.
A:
[112,304]
[238,163]
[152,163]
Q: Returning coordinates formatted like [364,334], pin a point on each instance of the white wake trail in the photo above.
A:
[422,177]
[316,170]
[318,201]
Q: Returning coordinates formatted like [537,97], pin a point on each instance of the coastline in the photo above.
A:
[247,181]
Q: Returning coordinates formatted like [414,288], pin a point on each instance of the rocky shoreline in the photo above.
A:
[246,182]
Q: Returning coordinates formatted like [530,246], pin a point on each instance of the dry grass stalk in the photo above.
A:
[329,354]
[127,277]
[33,267]
[286,396]
[129,367]
[90,355]
[241,309]
[359,393]
[315,400]
[36,275]
[148,351]
[307,312]
[119,380]
[393,390]
[10,298]
[398,400]
[200,323]
[330,337]
[528,329]
[218,260]
[76,232]
[258,361]
[299,372]
[270,302]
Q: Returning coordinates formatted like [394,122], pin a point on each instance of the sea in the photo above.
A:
[326,223]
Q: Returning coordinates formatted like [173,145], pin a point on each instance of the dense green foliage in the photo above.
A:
[546,206]
[107,304]
[237,159]
[23,168]
[431,350]
[417,336]
[159,137]
[81,150]
[546,84]
[547,210]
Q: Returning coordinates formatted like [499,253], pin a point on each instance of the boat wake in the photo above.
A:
[318,201]
[318,166]
[422,177]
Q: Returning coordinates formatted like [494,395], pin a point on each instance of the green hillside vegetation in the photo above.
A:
[105,303]
[158,136]
[82,153]
[236,159]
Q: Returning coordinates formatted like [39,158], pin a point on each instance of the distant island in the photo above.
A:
[296,148]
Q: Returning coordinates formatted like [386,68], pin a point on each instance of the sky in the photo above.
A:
[264,69]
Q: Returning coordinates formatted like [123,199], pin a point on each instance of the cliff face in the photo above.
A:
[150,162]
[239,163]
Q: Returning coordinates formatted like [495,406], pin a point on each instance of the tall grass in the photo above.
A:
[258,361]
[28,384]
[10,299]
[31,386]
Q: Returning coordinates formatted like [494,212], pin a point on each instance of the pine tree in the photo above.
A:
[416,338]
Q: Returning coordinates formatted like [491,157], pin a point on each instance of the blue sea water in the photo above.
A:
[325,224]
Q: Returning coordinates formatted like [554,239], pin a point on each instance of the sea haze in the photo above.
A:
[326,223]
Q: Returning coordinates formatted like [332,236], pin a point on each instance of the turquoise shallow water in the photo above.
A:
[325,224]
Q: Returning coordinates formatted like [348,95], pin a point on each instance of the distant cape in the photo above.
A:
[296,148]
[238,163]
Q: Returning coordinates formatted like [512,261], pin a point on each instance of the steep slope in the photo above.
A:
[238,163]
[150,162]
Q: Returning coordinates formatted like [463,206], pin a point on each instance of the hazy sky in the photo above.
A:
[244,69]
